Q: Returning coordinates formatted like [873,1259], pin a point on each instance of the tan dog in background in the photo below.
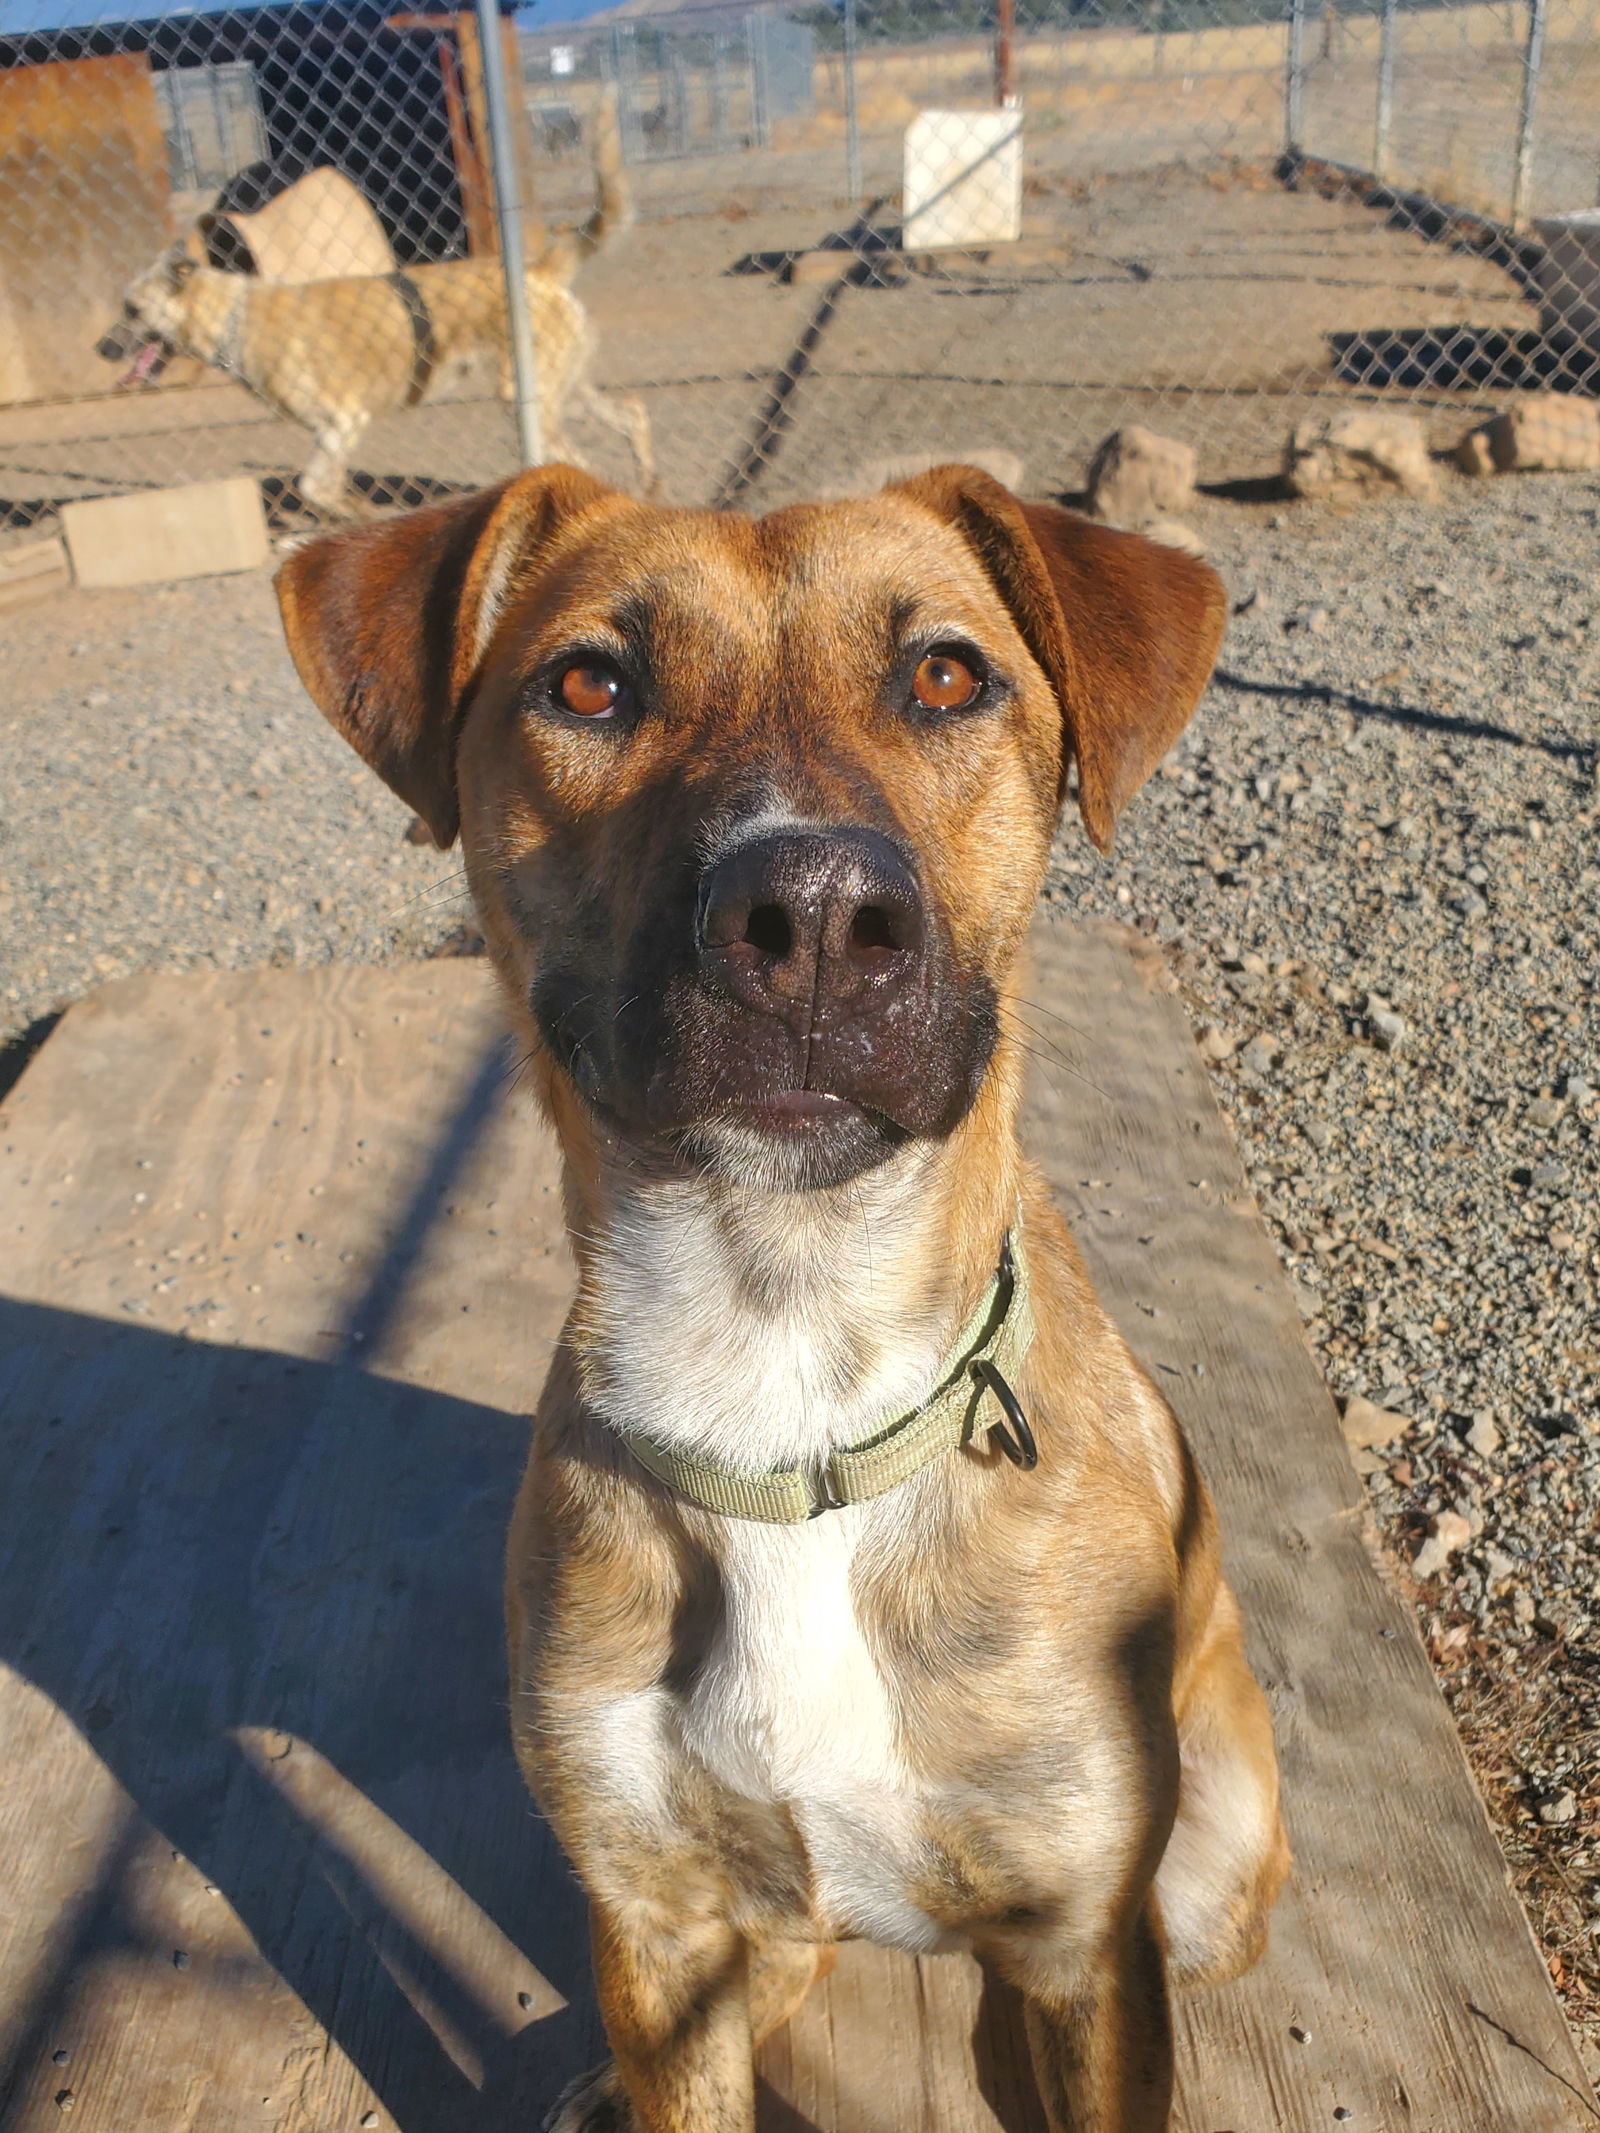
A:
[333,355]
[861,1584]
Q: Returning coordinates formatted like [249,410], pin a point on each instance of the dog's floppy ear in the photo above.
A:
[388,623]
[1125,629]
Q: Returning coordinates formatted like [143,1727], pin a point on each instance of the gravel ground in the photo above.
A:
[1375,859]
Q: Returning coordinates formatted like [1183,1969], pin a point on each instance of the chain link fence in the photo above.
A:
[269,240]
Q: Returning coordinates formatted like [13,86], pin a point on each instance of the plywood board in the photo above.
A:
[83,174]
[281,1263]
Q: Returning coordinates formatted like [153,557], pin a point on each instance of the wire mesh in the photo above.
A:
[263,239]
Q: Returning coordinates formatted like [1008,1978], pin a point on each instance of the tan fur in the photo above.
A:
[333,355]
[994,1709]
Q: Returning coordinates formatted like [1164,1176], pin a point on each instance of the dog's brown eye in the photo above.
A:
[592,692]
[944,683]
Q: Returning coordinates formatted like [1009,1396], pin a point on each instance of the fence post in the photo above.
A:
[1294,79]
[508,216]
[1005,64]
[1532,60]
[1383,118]
[852,126]
[756,46]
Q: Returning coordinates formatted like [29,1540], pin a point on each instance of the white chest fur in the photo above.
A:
[764,1336]
[791,1706]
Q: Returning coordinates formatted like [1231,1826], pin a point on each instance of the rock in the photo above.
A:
[1475,454]
[1333,458]
[1546,433]
[1138,478]
[1557,1808]
[1448,1534]
[1366,1425]
[1260,1055]
[1523,1609]
[1545,1111]
[1389,1030]
[1173,533]
[1217,1044]
[1467,903]
[1547,1177]
[1483,1436]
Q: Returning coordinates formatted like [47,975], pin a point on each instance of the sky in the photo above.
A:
[21,18]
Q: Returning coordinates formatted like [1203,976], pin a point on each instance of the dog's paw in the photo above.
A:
[595,2103]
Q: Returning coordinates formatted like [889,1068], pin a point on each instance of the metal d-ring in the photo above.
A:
[1017,1440]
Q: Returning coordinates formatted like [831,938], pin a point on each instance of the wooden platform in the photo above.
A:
[280,1261]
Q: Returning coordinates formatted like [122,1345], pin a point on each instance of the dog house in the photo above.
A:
[115,135]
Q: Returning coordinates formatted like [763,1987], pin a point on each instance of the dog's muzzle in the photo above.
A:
[146,354]
[807,925]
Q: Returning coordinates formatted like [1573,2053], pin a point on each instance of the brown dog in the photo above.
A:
[806,1642]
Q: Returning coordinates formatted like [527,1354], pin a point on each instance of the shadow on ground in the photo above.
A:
[208,1549]
[1443,358]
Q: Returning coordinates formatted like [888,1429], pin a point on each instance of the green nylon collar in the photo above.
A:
[999,1333]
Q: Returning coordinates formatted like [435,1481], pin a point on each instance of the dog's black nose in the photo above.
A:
[803,922]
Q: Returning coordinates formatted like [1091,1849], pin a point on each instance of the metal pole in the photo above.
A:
[1005,63]
[1294,79]
[508,215]
[1532,59]
[1383,119]
[756,45]
[852,126]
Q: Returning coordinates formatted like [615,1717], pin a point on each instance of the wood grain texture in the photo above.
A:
[280,1266]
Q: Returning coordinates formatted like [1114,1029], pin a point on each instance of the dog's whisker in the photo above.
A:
[1022,1000]
[1052,1061]
[1014,1021]
[1042,1043]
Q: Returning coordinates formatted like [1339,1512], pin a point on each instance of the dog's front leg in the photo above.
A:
[674,1992]
[1101,2042]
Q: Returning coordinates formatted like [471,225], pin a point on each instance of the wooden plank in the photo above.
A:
[83,174]
[254,1225]
[271,1318]
[1399,1947]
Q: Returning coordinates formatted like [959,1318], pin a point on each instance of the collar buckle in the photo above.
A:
[824,1496]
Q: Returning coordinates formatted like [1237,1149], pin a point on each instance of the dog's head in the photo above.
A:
[755,811]
[151,329]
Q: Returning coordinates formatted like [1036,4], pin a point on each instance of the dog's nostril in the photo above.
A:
[768,929]
[873,927]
